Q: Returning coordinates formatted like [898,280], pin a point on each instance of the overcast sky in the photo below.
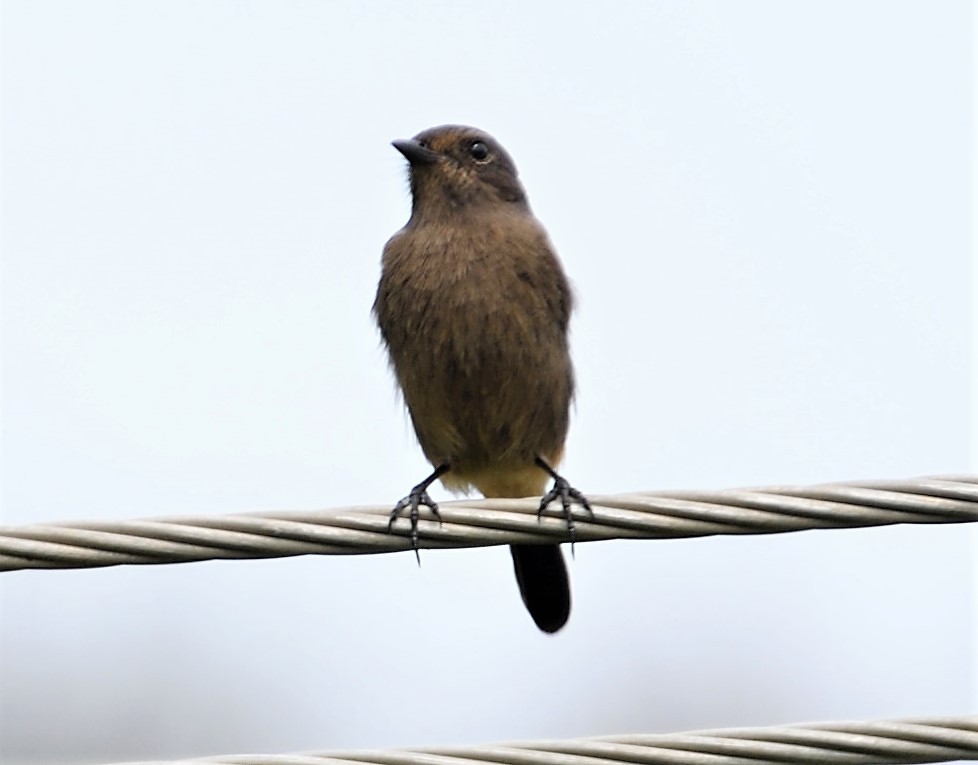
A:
[764,209]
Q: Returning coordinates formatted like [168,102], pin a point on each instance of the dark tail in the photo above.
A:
[542,576]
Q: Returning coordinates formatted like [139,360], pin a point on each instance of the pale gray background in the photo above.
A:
[764,209]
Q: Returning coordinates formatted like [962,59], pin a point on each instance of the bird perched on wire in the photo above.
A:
[473,306]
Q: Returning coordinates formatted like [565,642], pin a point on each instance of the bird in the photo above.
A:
[473,307]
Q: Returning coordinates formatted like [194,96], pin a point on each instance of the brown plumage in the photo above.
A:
[473,306]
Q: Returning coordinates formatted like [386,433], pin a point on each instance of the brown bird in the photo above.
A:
[473,306]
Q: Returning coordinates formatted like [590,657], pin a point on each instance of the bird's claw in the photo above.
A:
[568,496]
[417,497]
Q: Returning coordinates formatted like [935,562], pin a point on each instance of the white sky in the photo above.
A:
[764,207]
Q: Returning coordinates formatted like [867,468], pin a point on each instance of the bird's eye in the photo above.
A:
[479,151]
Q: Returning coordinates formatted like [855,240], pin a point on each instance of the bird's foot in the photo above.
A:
[417,497]
[568,496]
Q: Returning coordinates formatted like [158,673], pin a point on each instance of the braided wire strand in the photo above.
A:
[843,743]
[357,530]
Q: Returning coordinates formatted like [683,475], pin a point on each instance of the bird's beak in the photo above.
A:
[415,153]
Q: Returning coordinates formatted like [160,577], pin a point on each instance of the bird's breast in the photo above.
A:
[476,328]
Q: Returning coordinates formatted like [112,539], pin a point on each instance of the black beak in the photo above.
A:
[415,153]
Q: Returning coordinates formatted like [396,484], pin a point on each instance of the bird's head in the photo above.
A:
[455,169]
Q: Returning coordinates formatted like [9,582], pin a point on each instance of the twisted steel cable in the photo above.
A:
[845,743]
[647,515]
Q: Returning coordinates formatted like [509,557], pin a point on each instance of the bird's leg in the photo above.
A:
[567,495]
[416,497]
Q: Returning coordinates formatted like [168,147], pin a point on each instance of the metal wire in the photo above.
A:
[845,743]
[647,515]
